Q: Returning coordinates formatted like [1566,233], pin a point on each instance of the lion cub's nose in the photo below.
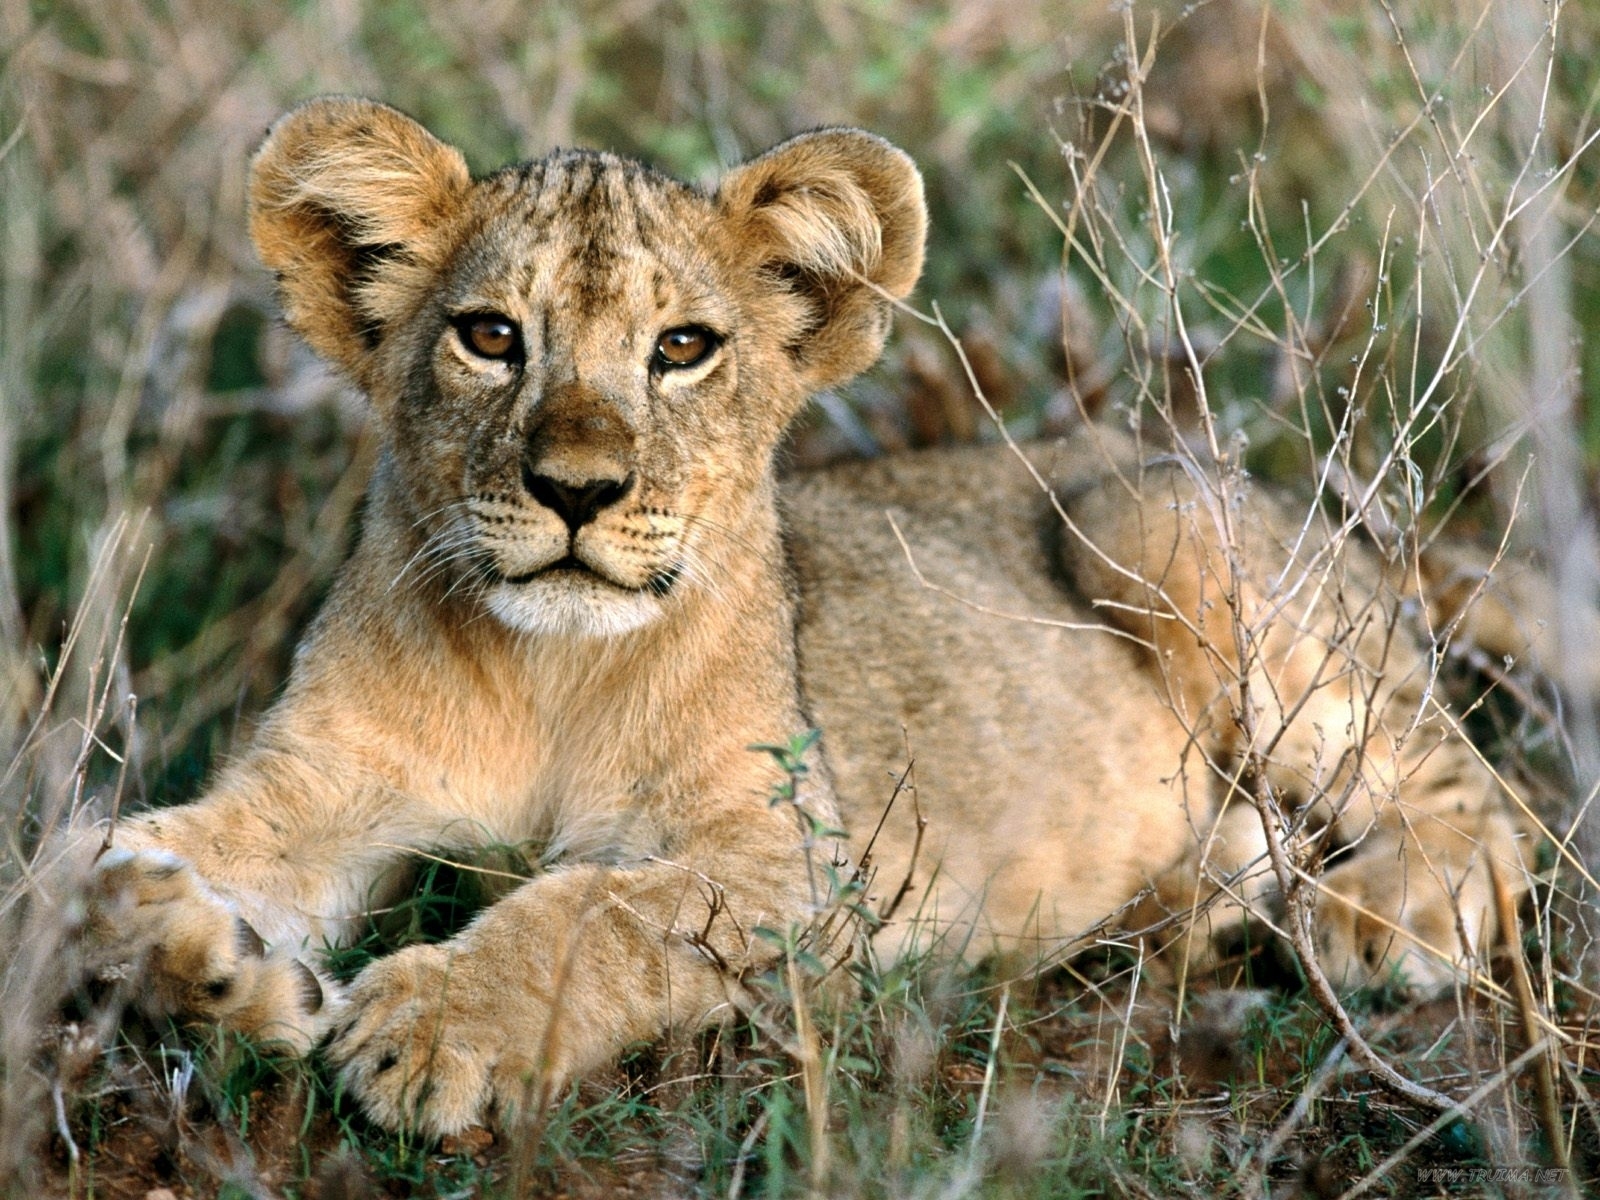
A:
[579,455]
[575,503]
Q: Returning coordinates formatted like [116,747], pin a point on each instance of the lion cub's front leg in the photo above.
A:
[557,978]
[194,954]
[552,983]
[220,910]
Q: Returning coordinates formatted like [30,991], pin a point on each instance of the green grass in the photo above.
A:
[907,1087]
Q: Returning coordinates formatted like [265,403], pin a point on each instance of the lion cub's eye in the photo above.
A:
[686,346]
[489,335]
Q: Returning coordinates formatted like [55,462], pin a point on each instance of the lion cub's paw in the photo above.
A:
[150,911]
[417,1051]
[1378,924]
[412,1052]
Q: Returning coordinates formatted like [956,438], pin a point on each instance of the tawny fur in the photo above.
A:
[461,687]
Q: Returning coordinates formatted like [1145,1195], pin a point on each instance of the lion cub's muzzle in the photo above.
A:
[587,542]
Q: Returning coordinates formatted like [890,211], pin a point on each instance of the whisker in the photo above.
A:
[440,548]
[730,535]
[433,553]
[695,570]
[462,503]
[476,577]
[464,551]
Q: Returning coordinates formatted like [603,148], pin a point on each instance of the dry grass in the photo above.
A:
[1350,248]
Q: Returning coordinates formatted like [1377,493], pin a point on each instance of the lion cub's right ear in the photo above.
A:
[353,205]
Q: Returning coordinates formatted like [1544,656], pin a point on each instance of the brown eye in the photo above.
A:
[686,346]
[490,335]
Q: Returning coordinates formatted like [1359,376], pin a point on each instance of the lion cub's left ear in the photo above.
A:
[354,205]
[837,220]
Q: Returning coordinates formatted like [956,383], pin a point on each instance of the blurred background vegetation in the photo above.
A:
[152,405]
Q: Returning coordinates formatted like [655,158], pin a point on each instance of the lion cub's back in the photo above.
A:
[1040,741]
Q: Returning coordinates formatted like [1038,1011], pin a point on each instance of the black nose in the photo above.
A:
[575,503]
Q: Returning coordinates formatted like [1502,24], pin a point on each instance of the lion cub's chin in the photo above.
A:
[572,607]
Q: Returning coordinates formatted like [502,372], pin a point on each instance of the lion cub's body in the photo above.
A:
[573,610]
[1042,749]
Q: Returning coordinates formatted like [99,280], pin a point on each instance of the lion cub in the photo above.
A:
[580,597]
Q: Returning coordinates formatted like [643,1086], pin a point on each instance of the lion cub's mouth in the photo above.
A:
[571,566]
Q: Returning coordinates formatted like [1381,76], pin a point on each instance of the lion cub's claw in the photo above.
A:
[411,1051]
[149,912]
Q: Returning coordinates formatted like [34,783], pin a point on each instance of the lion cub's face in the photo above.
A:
[583,366]
[572,424]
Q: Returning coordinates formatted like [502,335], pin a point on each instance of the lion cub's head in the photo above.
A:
[582,366]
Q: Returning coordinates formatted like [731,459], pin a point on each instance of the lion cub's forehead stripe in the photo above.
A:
[597,211]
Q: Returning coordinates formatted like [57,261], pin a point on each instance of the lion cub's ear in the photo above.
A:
[838,218]
[353,204]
